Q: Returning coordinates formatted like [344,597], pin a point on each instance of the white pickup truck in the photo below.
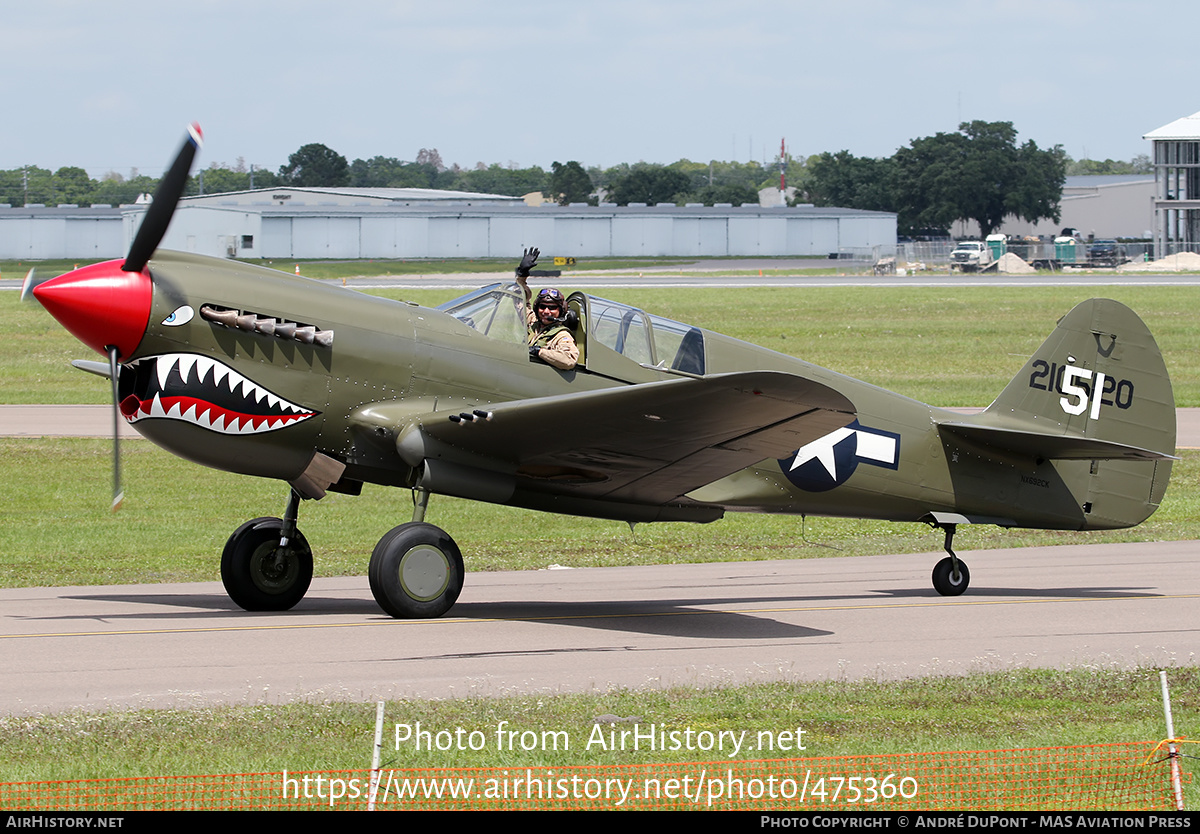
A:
[971,256]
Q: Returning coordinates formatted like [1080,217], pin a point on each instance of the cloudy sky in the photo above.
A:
[111,85]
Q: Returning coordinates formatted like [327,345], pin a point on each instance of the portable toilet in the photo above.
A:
[1066,249]
[998,244]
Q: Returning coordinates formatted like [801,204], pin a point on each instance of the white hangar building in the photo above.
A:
[345,223]
[401,223]
[38,232]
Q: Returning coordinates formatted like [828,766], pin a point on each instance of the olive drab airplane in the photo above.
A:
[264,373]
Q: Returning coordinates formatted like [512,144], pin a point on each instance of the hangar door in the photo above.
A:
[325,237]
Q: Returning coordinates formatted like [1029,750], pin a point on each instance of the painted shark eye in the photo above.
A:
[181,316]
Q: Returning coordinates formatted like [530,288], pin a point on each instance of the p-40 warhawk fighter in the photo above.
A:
[264,373]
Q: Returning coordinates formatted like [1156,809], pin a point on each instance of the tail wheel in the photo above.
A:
[416,571]
[946,581]
[258,574]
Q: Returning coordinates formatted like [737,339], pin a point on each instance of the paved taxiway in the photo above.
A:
[592,629]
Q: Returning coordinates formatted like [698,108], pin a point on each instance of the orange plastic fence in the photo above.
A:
[1095,777]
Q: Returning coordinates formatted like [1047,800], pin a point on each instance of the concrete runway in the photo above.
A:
[556,631]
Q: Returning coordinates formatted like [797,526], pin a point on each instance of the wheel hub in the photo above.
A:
[272,568]
[424,572]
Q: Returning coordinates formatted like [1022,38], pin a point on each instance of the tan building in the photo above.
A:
[1097,206]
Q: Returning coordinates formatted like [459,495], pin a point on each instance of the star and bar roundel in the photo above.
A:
[829,461]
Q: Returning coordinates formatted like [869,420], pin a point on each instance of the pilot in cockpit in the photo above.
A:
[550,338]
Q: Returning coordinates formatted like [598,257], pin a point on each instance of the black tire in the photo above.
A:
[259,579]
[944,581]
[416,571]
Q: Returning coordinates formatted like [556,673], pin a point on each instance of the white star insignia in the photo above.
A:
[822,450]
[879,448]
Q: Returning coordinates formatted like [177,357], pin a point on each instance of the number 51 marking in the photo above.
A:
[1070,389]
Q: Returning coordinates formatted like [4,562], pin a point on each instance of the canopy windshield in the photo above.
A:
[498,311]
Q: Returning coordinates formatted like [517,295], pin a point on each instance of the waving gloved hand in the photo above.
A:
[528,262]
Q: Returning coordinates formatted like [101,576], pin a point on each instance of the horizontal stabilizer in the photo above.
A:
[1051,446]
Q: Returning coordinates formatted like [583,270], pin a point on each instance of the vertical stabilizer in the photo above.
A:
[1095,395]
[1099,375]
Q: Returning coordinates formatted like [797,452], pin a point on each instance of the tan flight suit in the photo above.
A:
[557,345]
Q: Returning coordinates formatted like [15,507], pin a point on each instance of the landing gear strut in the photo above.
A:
[416,569]
[950,575]
[267,563]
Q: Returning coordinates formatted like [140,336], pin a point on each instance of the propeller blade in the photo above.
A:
[27,286]
[113,372]
[166,197]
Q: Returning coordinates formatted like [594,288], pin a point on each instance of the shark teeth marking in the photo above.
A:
[205,392]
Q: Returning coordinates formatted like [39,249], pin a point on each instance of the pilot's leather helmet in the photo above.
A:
[551,296]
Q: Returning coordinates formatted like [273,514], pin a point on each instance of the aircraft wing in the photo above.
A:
[646,443]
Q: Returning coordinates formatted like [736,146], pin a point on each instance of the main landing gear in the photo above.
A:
[950,575]
[267,564]
[416,570]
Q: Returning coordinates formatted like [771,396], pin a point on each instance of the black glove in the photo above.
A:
[528,262]
[535,352]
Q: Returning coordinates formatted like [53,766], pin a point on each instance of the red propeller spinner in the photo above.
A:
[101,305]
[108,304]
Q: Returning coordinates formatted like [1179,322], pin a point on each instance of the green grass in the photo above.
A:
[987,709]
[947,347]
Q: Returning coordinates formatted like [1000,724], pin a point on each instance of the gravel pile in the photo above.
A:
[1183,262]
[1014,265]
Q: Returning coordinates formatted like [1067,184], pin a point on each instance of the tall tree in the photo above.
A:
[978,173]
[316,165]
[849,181]
[649,184]
[508,180]
[430,156]
[735,194]
[27,186]
[114,189]
[569,183]
[376,172]
[73,185]
[1140,164]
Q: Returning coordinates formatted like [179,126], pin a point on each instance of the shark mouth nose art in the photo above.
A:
[204,392]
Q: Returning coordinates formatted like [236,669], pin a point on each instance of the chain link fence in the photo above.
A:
[1052,255]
